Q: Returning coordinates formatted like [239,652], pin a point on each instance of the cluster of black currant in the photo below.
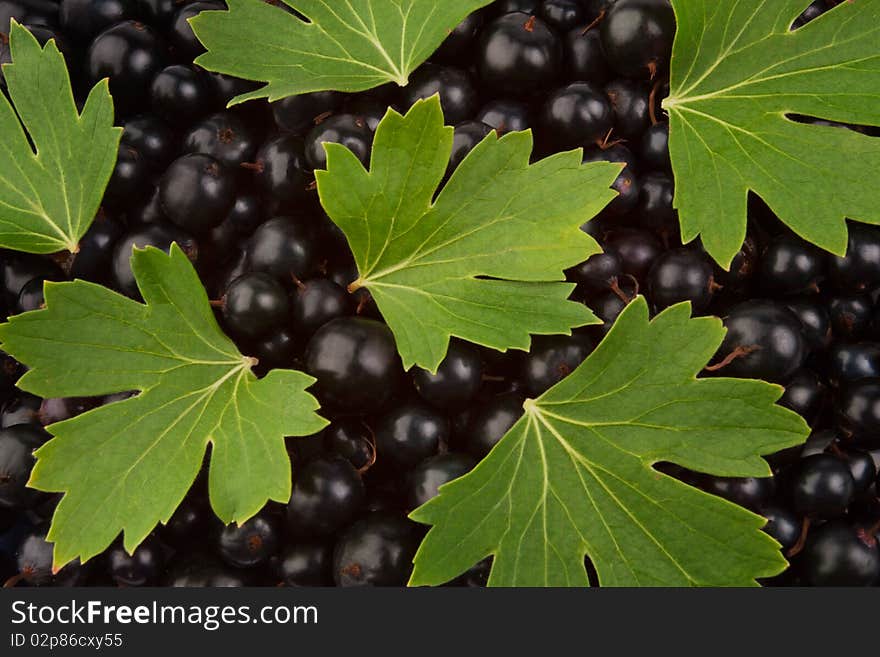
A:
[235,188]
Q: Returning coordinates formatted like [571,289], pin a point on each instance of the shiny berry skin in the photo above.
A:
[223,136]
[575,115]
[317,301]
[254,305]
[283,247]
[815,322]
[249,544]
[805,395]
[356,364]
[862,468]
[410,434]
[181,35]
[130,181]
[305,564]
[551,358]
[563,15]
[505,116]
[466,137]
[655,148]
[297,114]
[159,236]
[584,57]
[152,138]
[83,19]
[750,492]
[597,274]
[636,249]
[426,478]
[280,348]
[327,495]
[791,266]
[181,93]
[17,444]
[457,380]
[280,169]
[197,192]
[130,54]
[376,551]
[629,103]
[491,421]
[838,554]
[459,44]
[782,525]
[858,408]
[851,362]
[346,129]
[679,275]
[637,37]
[458,97]
[860,267]
[764,341]
[352,440]
[140,568]
[851,316]
[823,486]
[519,55]
[92,262]
[656,193]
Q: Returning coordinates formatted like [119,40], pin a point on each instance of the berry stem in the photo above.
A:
[802,539]
[739,352]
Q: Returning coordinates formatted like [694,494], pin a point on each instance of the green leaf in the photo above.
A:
[348,45]
[484,260]
[127,465]
[49,198]
[574,475]
[738,72]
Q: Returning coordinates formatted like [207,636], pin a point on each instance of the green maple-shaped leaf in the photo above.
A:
[127,465]
[574,476]
[738,73]
[346,45]
[49,198]
[484,260]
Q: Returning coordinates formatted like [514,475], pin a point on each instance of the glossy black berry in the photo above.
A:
[815,322]
[678,275]
[629,103]
[197,192]
[352,440]
[356,364]
[791,266]
[584,58]
[636,249]
[466,137]
[656,194]
[184,41]
[346,129]
[130,54]
[280,169]
[424,481]
[763,341]
[490,422]
[459,44]
[519,55]
[505,116]
[317,301]
[655,148]
[130,181]
[17,444]
[298,113]
[575,115]
[305,564]
[851,316]
[858,406]
[637,37]
[249,544]
[182,93]
[823,486]
[860,267]
[457,380]
[551,358]
[458,97]
[409,434]
[327,495]
[750,492]
[597,274]
[159,236]
[838,554]
[782,525]
[376,551]
[139,568]
[851,362]
[283,247]
[862,468]
[254,305]
[152,138]
[83,19]
[805,395]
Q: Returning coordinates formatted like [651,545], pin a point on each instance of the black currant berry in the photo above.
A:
[197,192]
[346,129]
[424,481]
[409,434]
[678,275]
[519,55]
[458,97]
[376,551]
[458,378]
[637,37]
[254,305]
[327,495]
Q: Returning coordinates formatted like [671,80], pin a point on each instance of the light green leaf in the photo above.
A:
[737,73]
[127,465]
[484,260]
[49,198]
[348,45]
[574,476]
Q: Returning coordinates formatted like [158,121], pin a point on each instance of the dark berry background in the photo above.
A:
[235,188]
